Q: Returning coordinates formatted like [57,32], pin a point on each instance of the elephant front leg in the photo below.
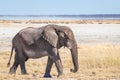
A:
[59,67]
[54,55]
[48,68]
[58,64]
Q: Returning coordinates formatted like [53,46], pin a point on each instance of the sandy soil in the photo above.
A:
[98,46]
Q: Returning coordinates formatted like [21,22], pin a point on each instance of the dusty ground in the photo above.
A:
[99,57]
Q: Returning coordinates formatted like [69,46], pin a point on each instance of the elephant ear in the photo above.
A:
[50,35]
[30,35]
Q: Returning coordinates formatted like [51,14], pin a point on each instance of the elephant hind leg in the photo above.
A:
[15,65]
[22,58]
[22,66]
[13,68]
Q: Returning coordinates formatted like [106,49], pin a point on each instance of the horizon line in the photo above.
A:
[53,14]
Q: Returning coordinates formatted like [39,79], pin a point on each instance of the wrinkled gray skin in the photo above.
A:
[44,41]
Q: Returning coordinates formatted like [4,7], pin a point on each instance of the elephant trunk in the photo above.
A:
[74,53]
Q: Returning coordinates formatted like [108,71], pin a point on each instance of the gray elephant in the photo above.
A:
[44,41]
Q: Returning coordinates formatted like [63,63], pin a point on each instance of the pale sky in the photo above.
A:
[59,7]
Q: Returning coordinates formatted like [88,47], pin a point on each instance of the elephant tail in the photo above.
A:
[10,56]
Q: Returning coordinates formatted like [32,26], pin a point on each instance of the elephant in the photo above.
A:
[43,41]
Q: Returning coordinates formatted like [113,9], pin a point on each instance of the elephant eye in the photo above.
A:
[61,34]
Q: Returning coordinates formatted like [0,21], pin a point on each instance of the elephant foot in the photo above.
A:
[24,73]
[73,70]
[60,75]
[47,76]
[12,71]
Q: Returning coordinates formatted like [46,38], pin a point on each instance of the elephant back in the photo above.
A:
[30,34]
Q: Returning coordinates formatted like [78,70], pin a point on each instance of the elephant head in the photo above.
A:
[59,36]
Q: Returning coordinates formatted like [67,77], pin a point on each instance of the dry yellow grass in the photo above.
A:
[96,62]
[46,21]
